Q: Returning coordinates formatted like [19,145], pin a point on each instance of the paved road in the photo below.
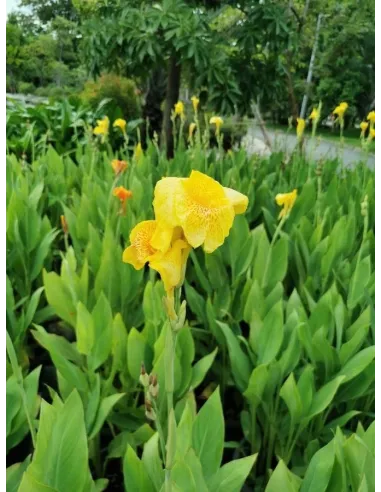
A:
[322,148]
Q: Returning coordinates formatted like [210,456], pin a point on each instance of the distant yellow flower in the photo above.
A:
[169,264]
[371,117]
[102,127]
[286,200]
[179,109]
[363,126]
[218,121]
[118,166]
[315,114]
[300,127]
[120,123]
[340,110]
[138,152]
[192,128]
[122,193]
[372,134]
[195,101]
[203,208]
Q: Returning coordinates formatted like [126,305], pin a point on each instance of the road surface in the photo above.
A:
[320,149]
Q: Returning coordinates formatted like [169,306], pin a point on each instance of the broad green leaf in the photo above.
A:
[231,477]
[201,367]
[136,478]
[271,335]
[283,480]
[84,328]
[103,412]
[241,366]
[277,267]
[208,434]
[324,396]
[359,281]
[152,461]
[257,384]
[319,470]
[357,364]
[291,396]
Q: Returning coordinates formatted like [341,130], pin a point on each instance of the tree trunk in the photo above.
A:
[172,95]
[155,95]
[290,87]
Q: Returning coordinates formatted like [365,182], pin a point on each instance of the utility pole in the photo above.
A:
[310,69]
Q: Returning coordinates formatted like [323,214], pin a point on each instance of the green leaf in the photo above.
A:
[201,367]
[187,474]
[283,480]
[271,335]
[84,328]
[278,260]
[358,282]
[319,470]
[208,434]
[231,477]
[15,473]
[136,353]
[257,384]
[152,461]
[59,297]
[184,431]
[136,478]
[291,396]
[324,396]
[241,366]
[357,364]
[103,411]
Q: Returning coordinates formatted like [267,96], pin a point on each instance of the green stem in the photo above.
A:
[159,429]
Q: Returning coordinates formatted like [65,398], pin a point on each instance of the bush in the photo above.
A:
[120,90]
[26,88]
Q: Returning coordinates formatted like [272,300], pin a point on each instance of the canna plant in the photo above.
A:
[189,212]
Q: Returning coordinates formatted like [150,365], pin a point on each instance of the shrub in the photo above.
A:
[26,88]
[120,90]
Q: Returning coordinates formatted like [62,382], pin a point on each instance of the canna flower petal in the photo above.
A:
[204,211]
[195,102]
[286,200]
[192,128]
[216,120]
[238,200]
[179,108]
[102,126]
[120,123]
[138,152]
[300,127]
[170,264]
[140,250]
[371,117]
[372,134]
[118,166]
[315,114]
[122,193]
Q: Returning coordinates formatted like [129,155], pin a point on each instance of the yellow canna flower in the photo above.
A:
[120,123]
[192,128]
[315,114]
[102,127]
[122,193]
[195,101]
[363,126]
[300,127]
[340,110]
[372,134]
[218,121]
[118,166]
[203,208]
[179,109]
[286,200]
[169,264]
[371,117]
[138,152]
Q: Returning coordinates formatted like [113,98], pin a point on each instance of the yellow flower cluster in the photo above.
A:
[120,123]
[179,109]
[218,121]
[189,212]
[195,102]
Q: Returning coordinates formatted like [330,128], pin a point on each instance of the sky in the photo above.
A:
[11,5]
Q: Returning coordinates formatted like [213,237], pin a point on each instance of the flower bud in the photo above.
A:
[364,206]
[143,378]
[181,319]
[153,386]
